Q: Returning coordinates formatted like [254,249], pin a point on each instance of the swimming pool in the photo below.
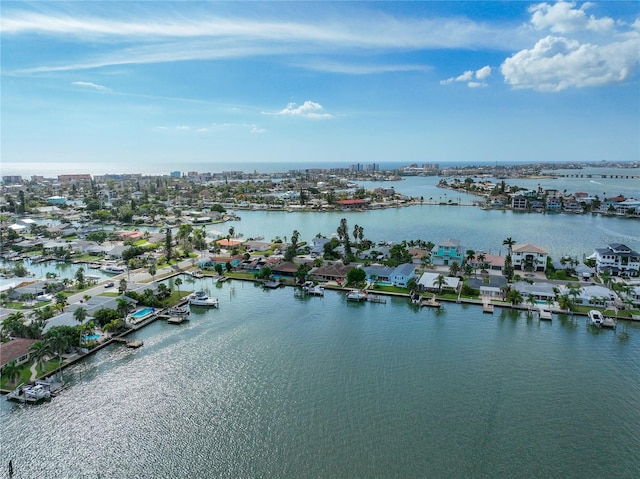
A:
[143,313]
[91,337]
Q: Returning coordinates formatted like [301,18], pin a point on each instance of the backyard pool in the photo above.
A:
[142,313]
[91,337]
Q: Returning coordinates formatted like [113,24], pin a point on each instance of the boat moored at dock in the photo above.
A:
[200,298]
[595,318]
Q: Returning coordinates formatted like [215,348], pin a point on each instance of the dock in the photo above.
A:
[609,322]
[487,308]
[544,314]
[376,299]
[130,343]
[430,303]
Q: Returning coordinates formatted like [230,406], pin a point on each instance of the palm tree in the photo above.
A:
[565,302]
[454,269]
[39,350]
[481,259]
[123,307]
[509,242]
[80,314]
[12,371]
[470,254]
[178,282]
[61,300]
[440,281]
[515,297]
[152,271]
[123,286]
[57,341]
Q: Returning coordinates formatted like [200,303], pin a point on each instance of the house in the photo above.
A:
[540,291]
[418,255]
[376,253]
[593,294]
[529,257]
[287,270]
[447,252]
[378,273]
[15,350]
[490,262]
[212,261]
[402,274]
[428,281]
[334,272]
[618,260]
[519,202]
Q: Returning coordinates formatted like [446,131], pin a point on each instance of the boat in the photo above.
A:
[177,311]
[200,298]
[356,295]
[595,318]
[114,269]
[313,289]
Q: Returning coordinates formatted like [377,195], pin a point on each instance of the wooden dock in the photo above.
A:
[177,319]
[130,343]
[487,308]
[376,299]
[430,303]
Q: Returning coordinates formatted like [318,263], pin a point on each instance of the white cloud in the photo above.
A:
[309,109]
[483,73]
[580,56]
[183,127]
[86,84]
[558,63]
[468,77]
[255,129]
[563,17]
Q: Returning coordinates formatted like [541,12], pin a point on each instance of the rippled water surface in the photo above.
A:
[275,385]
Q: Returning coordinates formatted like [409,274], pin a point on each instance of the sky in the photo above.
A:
[137,84]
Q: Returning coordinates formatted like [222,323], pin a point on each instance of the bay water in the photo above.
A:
[273,384]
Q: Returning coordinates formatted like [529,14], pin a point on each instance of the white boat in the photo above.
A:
[313,289]
[200,298]
[36,392]
[595,318]
[356,295]
[114,269]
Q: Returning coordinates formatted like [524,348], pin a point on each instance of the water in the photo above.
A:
[337,389]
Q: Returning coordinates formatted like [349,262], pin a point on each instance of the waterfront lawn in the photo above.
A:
[388,289]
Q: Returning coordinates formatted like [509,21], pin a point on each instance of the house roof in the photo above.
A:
[14,349]
[336,270]
[428,281]
[528,248]
[287,267]
[405,269]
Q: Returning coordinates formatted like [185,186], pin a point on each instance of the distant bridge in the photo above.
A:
[590,175]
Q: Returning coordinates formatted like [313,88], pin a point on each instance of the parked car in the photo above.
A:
[110,285]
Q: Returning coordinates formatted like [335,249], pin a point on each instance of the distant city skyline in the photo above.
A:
[133,85]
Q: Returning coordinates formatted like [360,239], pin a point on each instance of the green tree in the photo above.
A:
[39,351]
[514,297]
[177,282]
[11,371]
[57,341]
[440,281]
[61,300]
[80,314]
[454,269]
[356,276]
[122,308]
[218,268]
[509,242]
[152,271]
[168,245]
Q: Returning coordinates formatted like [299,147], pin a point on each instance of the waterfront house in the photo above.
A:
[519,202]
[221,260]
[447,252]
[15,350]
[418,255]
[427,282]
[333,272]
[287,270]
[593,294]
[617,259]
[542,291]
[402,273]
[377,253]
[529,257]
[378,273]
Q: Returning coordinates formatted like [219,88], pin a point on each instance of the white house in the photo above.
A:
[618,260]
[529,257]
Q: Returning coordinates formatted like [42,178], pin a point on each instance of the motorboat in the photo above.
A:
[114,269]
[595,318]
[200,298]
[356,295]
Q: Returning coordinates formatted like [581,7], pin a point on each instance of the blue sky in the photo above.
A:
[144,83]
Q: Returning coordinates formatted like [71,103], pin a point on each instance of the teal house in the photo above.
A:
[447,252]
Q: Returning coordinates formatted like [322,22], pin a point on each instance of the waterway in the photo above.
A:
[280,386]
